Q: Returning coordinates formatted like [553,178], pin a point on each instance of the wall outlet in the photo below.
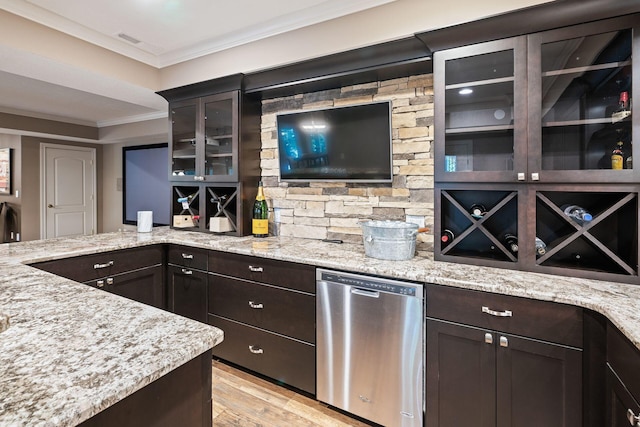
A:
[416,219]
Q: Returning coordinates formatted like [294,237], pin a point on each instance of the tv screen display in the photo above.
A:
[351,143]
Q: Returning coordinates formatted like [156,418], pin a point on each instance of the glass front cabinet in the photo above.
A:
[534,152]
[214,149]
[204,139]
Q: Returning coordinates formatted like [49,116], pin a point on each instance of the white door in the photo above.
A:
[68,189]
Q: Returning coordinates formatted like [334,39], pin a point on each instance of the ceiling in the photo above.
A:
[158,33]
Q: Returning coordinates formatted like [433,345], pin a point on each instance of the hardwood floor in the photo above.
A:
[240,399]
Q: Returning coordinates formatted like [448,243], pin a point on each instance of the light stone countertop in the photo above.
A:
[70,321]
[72,350]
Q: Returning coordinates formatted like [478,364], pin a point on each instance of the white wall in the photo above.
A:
[392,21]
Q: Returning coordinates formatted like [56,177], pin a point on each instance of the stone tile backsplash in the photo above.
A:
[332,210]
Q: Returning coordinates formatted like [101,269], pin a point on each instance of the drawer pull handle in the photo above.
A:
[110,281]
[505,313]
[185,271]
[100,283]
[634,419]
[187,256]
[256,306]
[255,350]
[99,266]
[256,269]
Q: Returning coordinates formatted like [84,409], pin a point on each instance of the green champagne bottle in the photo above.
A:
[260,221]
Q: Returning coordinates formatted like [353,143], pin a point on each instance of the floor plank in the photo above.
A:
[241,399]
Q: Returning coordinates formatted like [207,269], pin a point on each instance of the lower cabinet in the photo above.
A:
[187,292]
[288,361]
[145,285]
[623,381]
[135,273]
[622,409]
[503,380]
[266,309]
[500,361]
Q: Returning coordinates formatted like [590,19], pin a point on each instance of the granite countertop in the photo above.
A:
[72,350]
[54,330]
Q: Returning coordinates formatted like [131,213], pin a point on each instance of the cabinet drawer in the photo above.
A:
[91,267]
[282,273]
[289,361]
[285,312]
[188,257]
[530,318]
[624,358]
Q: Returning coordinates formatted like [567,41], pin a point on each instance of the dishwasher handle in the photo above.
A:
[365,293]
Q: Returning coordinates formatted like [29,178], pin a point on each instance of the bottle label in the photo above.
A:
[616,162]
[260,226]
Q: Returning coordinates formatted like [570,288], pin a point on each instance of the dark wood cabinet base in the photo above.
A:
[180,398]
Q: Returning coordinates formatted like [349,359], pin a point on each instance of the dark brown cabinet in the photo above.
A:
[187,282]
[505,360]
[136,273]
[623,381]
[525,129]
[214,144]
[267,310]
[144,285]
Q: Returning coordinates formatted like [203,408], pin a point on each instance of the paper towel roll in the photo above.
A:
[145,221]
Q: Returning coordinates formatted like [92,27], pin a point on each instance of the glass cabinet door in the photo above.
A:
[220,142]
[480,110]
[581,103]
[184,141]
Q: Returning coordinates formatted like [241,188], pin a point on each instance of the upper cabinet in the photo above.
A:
[534,152]
[480,111]
[580,102]
[214,149]
[204,138]
[547,107]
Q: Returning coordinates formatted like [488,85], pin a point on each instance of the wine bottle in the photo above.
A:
[617,156]
[446,237]
[511,242]
[260,219]
[541,247]
[477,210]
[577,213]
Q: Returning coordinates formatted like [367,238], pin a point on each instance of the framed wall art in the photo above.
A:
[5,170]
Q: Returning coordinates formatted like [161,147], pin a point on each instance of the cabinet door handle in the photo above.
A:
[187,272]
[505,313]
[256,269]
[187,256]
[488,338]
[255,350]
[256,306]
[110,281]
[504,342]
[99,266]
[100,283]
[634,419]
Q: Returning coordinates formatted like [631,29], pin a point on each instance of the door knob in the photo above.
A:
[49,205]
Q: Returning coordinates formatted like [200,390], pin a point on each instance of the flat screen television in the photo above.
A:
[351,144]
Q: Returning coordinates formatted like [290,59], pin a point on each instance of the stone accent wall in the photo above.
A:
[332,210]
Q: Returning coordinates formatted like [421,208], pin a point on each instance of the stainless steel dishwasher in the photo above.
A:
[370,347]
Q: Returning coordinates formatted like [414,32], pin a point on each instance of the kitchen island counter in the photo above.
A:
[71,351]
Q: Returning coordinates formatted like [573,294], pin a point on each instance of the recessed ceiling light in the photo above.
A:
[466,91]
